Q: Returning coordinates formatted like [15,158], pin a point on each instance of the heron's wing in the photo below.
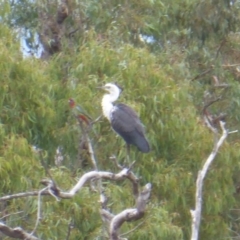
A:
[125,119]
[127,124]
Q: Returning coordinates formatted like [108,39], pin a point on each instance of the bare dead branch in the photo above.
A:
[196,213]
[55,191]
[231,65]
[21,195]
[96,175]
[130,214]
[127,215]
[16,232]
[235,131]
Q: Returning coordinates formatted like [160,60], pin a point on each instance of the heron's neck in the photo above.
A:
[107,104]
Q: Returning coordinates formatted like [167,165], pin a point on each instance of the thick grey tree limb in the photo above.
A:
[196,213]
[93,175]
[17,232]
[131,214]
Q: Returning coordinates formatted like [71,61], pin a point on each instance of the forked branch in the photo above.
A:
[130,214]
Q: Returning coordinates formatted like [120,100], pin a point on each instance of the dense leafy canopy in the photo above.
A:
[164,81]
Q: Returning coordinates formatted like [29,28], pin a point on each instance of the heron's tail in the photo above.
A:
[142,144]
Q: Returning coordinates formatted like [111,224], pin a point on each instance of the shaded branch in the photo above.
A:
[70,227]
[220,47]
[16,232]
[212,121]
[202,73]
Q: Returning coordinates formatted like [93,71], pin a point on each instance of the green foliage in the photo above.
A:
[34,111]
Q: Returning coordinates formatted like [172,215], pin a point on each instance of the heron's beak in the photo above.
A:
[102,87]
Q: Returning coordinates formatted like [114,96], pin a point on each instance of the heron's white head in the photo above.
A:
[108,99]
[114,91]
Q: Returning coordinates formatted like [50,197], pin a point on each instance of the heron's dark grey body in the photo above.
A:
[124,119]
[127,124]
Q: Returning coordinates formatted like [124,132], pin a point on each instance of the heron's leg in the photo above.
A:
[127,161]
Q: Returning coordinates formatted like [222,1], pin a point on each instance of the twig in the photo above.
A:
[39,209]
[208,119]
[203,73]
[196,213]
[44,165]
[86,138]
[210,103]
[5,216]
[235,131]
[70,227]
[132,230]
[90,149]
[96,120]
[217,84]
[74,31]
[91,152]
[219,48]
[114,159]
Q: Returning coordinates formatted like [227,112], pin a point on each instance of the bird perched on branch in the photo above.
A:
[123,119]
[79,112]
